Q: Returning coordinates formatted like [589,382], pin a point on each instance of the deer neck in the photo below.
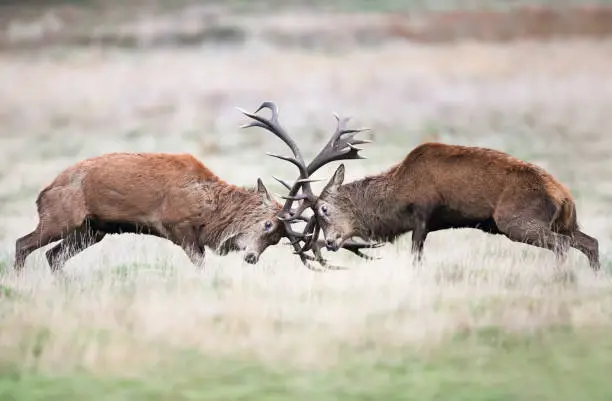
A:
[378,212]
[229,213]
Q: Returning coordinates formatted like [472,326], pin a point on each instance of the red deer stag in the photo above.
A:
[341,147]
[169,196]
[439,186]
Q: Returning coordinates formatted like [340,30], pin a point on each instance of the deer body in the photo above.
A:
[169,196]
[439,186]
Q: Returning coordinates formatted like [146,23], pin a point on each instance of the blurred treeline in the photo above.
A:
[27,24]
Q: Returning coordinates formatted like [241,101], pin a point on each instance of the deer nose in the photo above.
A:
[251,258]
[331,244]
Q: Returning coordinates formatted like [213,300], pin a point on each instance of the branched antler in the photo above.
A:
[287,215]
[297,160]
[313,242]
[341,146]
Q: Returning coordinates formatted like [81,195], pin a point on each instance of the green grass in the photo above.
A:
[486,365]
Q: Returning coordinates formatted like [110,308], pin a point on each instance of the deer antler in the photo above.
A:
[297,160]
[341,146]
[313,242]
[287,215]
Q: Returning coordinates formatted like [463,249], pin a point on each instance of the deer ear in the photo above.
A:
[263,191]
[336,180]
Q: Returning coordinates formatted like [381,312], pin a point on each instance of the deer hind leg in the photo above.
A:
[536,233]
[75,242]
[588,246]
[530,222]
[43,235]
[60,212]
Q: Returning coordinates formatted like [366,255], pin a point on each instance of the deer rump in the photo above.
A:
[169,196]
[471,187]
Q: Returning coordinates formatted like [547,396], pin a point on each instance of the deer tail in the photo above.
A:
[566,220]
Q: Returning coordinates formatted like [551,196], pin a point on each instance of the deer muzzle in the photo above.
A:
[333,243]
[251,258]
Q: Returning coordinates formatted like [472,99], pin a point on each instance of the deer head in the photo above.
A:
[341,146]
[256,228]
[334,212]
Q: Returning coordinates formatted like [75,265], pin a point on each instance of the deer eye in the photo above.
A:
[267,225]
[324,209]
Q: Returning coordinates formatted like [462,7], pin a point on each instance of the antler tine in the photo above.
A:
[312,242]
[355,247]
[297,213]
[341,146]
[310,234]
[295,236]
[313,229]
[306,259]
[273,126]
[316,250]
[283,183]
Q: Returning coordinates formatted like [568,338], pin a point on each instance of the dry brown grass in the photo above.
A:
[115,321]
[126,301]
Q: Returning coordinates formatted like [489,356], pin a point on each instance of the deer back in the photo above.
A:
[472,179]
[134,187]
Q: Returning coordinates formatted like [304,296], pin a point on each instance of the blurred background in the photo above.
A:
[484,319]
[82,78]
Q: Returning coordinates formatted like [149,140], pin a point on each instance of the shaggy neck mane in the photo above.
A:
[234,210]
[376,212]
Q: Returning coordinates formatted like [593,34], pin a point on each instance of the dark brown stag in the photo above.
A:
[342,146]
[169,196]
[436,187]
[439,186]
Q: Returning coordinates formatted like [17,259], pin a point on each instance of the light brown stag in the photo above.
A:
[439,186]
[170,196]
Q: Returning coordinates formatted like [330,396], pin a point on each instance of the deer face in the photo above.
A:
[260,228]
[341,146]
[333,212]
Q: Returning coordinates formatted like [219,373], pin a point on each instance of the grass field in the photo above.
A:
[483,319]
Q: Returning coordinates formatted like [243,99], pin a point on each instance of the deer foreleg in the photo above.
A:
[197,255]
[187,237]
[419,234]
